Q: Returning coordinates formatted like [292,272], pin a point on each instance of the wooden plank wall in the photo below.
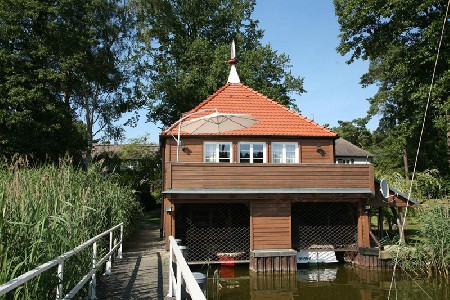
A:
[310,154]
[372,262]
[270,224]
[223,176]
[273,264]
[193,149]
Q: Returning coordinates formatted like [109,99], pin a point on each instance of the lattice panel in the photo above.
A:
[324,226]
[214,231]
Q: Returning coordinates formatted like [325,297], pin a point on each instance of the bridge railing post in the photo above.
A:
[109,262]
[178,289]
[170,293]
[119,252]
[60,286]
[93,284]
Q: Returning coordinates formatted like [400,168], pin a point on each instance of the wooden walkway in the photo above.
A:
[142,273]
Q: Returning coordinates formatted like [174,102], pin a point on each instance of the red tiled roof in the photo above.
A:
[274,118]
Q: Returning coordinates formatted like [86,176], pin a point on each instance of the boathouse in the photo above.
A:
[262,192]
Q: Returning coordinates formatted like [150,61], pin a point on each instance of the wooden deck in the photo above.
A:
[143,272]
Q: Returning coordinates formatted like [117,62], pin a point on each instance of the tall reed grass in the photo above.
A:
[49,210]
[430,256]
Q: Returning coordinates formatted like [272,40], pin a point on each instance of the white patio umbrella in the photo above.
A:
[217,123]
[213,123]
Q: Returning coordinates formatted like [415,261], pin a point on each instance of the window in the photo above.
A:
[252,152]
[345,161]
[284,153]
[217,152]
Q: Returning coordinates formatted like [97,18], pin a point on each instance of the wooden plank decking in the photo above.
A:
[143,272]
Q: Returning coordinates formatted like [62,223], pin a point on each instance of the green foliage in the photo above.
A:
[47,211]
[61,61]
[188,43]
[135,166]
[426,185]
[400,40]
[431,255]
[33,120]
[355,132]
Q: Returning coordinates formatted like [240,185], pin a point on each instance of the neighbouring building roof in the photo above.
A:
[274,118]
[395,199]
[347,149]
[112,149]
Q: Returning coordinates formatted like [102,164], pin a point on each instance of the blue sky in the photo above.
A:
[307,31]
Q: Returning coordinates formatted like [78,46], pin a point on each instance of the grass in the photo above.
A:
[154,217]
[49,210]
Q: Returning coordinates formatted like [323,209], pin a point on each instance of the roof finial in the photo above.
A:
[233,77]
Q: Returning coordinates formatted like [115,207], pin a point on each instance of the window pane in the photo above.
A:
[224,153]
[258,160]
[277,153]
[290,154]
[290,160]
[276,157]
[210,153]
[244,147]
[277,147]
[258,151]
[244,154]
[290,148]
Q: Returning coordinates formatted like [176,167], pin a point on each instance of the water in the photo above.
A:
[334,282]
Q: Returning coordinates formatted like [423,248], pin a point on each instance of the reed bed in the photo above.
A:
[49,210]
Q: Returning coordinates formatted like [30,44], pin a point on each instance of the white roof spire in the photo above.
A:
[233,77]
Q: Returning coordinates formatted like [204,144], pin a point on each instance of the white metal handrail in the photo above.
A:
[59,261]
[183,271]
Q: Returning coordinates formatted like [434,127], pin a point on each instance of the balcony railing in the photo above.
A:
[192,176]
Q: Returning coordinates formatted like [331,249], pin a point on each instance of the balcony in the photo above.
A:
[185,177]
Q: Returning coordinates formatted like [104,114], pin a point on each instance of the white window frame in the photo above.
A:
[283,156]
[217,150]
[251,151]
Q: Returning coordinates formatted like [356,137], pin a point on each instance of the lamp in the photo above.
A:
[183,146]
[319,148]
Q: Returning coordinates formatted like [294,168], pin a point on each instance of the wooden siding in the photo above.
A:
[191,151]
[310,154]
[270,224]
[275,176]
[193,148]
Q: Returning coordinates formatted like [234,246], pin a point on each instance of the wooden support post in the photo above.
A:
[398,217]
[380,223]
[363,228]
[400,225]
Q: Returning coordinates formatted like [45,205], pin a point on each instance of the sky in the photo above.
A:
[307,31]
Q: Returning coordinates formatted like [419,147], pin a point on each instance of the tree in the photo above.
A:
[188,43]
[62,61]
[33,121]
[355,132]
[107,83]
[400,40]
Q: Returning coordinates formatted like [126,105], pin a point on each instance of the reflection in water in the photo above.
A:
[319,282]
